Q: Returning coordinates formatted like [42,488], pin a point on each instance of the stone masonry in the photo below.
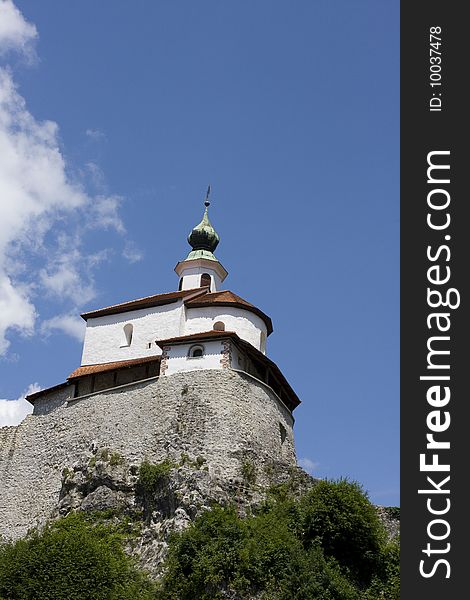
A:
[225,418]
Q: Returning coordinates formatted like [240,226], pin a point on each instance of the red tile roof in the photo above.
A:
[147,302]
[228,298]
[287,394]
[194,298]
[111,366]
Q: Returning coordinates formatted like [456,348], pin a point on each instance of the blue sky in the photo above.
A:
[114,117]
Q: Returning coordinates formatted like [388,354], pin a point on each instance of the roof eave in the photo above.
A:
[145,303]
[216,265]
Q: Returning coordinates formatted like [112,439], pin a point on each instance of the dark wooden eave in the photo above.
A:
[32,397]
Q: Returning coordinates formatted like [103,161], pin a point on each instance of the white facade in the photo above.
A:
[244,323]
[105,337]
[191,271]
[191,279]
[179,357]
[133,334]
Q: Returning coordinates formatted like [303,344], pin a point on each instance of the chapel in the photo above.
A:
[182,377]
[201,326]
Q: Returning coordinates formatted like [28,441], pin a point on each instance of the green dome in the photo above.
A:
[203,237]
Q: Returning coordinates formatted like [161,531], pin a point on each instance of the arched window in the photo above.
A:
[219,326]
[262,342]
[127,334]
[180,287]
[283,432]
[205,280]
[196,351]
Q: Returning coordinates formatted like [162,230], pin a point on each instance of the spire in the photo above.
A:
[203,238]
[201,266]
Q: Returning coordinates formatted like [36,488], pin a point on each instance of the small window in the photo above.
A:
[205,280]
[127,335]
[219,326]
[180,287]
[283,432]
[262,342]
[196,351]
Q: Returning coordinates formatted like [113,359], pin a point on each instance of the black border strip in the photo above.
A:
[424,131]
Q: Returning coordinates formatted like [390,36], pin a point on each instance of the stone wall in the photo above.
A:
[224,417]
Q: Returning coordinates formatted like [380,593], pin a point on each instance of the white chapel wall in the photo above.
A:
[178,358]
[105,339]
[192,278]
[247,325]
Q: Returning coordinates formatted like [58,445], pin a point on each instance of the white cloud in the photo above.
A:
[16,311]
[64,276]
[44,211]
[35,192]
[309,465]
[96,176]
[15,32]
[104,213]
[12,412]
[131,253]
[70,323]
[95,134]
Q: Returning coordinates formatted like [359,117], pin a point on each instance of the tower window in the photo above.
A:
[283,432]
[196,351]
[180,287]
[219,326]
[127,335]
[205,280]
[262,342]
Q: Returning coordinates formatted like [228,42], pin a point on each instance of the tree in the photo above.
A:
[72,559]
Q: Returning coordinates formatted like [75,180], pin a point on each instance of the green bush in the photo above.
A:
[152,489]
[151,476]
[328,545]
[339,517]
[259,555]
[71,559]
[386,582]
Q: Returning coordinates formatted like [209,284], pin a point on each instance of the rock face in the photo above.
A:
[103,481]
[227,422]
[206,436]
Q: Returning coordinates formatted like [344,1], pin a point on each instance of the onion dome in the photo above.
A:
[203,238]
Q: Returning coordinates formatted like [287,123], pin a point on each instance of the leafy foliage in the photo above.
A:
[151,476]
[71,559]
[327,545]
[152,488]
[339,517]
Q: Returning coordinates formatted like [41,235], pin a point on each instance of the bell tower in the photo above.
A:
[201,268]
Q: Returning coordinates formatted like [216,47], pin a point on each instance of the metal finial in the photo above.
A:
[206,201]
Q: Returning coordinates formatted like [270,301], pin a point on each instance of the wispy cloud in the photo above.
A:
[13,412]
[96,135]
[309,465]
[104,213]
[15,32]
[70,324]
[40,197]
[132,253]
